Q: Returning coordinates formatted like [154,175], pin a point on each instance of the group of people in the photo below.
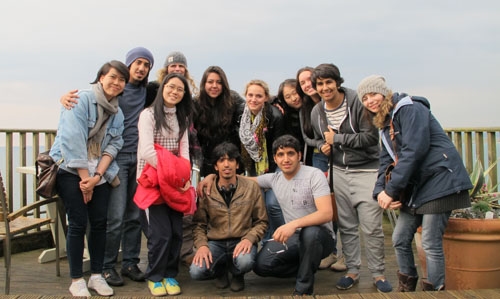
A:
[269,166]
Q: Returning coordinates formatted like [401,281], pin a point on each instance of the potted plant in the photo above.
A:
[472,238]
[471,241]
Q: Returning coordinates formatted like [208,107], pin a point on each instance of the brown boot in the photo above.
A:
[429,287]
[407,283]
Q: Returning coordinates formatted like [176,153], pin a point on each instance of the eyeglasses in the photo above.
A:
[173,87]
[278,247]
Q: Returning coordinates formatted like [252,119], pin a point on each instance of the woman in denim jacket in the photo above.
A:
[88,138]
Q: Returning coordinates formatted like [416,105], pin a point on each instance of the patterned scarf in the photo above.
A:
[105,108]
[253,139]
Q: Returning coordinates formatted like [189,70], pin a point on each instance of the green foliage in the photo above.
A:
[484,197]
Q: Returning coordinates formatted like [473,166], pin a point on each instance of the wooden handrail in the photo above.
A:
[23,145]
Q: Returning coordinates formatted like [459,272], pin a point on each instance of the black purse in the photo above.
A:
[46,174]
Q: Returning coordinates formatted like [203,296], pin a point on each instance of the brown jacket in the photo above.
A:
[245,218]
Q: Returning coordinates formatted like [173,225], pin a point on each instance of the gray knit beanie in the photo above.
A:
[139,52]
[176,57]
[373,83]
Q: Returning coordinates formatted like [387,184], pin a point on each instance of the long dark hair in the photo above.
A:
[183,108]
[307,104]
[214,116]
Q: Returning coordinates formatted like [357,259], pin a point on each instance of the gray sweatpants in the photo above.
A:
[357,209]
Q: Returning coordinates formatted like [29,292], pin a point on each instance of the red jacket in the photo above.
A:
[162,185]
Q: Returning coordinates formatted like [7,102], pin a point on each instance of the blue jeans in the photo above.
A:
[222,256]
[79,214]
[300,258]
[124,226]
[274,214]
[433,227]
[320,160]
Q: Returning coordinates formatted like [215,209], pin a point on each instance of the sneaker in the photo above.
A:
[222,281]
[347,282]
[99,284]
[157,288]
[383,285]
[112,277]
[79,288]
[172,286]
[133,272]
[237,283]
[328,261]
[339,265]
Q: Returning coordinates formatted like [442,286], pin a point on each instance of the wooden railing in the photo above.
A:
[477,144]
[21,149]
[474,144]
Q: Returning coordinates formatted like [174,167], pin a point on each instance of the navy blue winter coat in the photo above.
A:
[427,158]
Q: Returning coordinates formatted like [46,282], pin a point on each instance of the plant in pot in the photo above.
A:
[471,241]
[472,238]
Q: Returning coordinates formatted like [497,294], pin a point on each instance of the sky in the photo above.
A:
[447,51]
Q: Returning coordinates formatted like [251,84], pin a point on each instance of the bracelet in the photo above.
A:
[99,174]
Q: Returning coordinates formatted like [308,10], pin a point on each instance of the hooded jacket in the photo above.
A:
[427,158]
[245,218]
[356,143]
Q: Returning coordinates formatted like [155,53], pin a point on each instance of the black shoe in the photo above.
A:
[297,294]
[237,283]
[133,272]
[112,277]
[222,281]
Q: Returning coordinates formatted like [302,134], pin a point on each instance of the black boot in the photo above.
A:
[427,286]
[407,283]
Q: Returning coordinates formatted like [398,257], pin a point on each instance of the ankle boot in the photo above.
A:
[427,286]
[407,283]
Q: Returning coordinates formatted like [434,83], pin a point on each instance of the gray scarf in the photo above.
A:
[105,108]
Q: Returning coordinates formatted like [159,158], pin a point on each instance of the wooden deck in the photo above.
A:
[33,280]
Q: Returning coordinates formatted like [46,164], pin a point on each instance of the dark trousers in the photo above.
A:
[305,250]
[79,214]
[164,234]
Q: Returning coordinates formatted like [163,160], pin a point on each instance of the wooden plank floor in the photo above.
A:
[33,280]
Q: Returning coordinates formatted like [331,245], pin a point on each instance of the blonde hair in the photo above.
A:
[258,83]
[163,72]
[386,105]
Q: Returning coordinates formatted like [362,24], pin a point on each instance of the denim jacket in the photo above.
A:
[73,132]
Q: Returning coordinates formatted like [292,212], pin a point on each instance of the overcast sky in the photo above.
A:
[447,51]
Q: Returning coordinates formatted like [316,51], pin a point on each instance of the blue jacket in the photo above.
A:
[427,158]
[73,131]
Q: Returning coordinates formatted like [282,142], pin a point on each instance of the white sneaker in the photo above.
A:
[79,288]
[99,284]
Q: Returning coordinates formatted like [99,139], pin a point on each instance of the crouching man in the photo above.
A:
[231,219]
[307,236]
